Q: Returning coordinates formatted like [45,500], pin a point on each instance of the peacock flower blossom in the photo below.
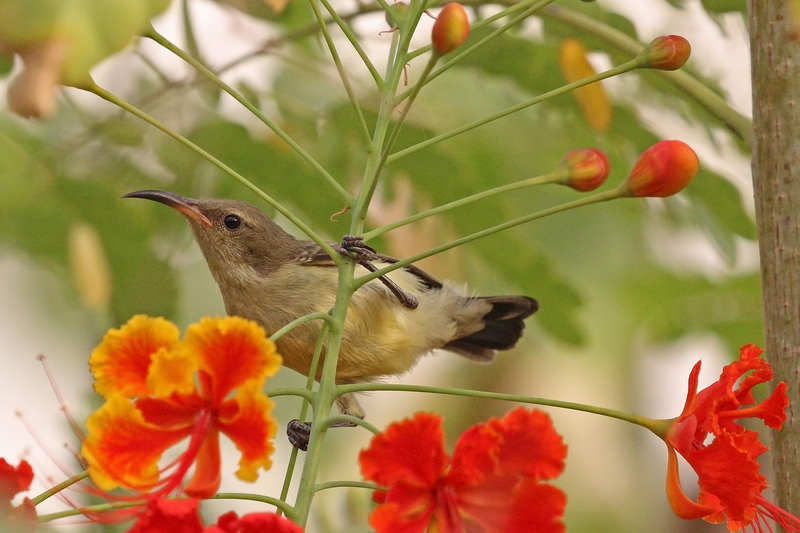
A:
[160,390]
[13,480]
[727,467]
[491,484]
[183,516]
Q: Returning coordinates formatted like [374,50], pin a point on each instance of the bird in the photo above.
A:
[269,276]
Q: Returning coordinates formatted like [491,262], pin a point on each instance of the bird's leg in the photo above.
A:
[358,250]
[299,433]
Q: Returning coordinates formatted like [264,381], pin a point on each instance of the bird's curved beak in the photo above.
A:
[189,207]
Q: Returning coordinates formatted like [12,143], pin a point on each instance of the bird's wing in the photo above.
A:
[311,254]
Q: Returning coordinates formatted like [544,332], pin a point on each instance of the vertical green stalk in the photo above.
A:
[326,394]
[397,63]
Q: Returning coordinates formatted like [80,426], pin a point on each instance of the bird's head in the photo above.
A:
[238,240]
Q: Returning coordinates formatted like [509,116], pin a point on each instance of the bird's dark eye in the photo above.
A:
[232,222]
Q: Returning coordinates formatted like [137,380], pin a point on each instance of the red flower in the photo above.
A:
[160,390]
[664,169]
[174,516]
[491,484]
[13,480]
[727,467]
[183,516]
[253,523]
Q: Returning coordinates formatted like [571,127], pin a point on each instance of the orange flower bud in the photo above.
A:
[668,52]
[588,168]
[451,28]
[664,169]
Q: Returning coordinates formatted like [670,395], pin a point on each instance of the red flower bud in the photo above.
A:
[588,168]
[451,28]
[664,169]
[668,52]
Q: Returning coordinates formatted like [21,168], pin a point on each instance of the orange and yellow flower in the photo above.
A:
[491,484]
[160,390]
[727,467]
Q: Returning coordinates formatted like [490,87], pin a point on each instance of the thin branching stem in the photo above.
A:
[108,96]
[163,41]
[553,177]
[351,95]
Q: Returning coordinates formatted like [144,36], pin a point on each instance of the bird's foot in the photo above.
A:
[299,433]
[356,248]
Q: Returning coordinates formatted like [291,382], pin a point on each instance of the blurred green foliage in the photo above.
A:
[596,263]
[76,166]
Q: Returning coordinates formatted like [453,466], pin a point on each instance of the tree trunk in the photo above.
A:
[775,50]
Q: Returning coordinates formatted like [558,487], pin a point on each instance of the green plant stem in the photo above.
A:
[618,192]
[327,392]
[639,62]
[476,46]
[61,486]
[351,420]
[279,504]
[298,321]
[695,90]
[554,177]
[373,167]
[311,399]
[100,508]
[188,31]
[362,123]
[163,41]
[647,423]
[346,484]
[106,95]
[291,391]
[353,40]
[479,24]
[373,183]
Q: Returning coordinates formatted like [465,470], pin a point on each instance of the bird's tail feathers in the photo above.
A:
[502,328]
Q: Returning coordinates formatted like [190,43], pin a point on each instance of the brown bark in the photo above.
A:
[775,49]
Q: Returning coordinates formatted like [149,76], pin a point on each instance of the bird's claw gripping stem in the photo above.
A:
[356,248]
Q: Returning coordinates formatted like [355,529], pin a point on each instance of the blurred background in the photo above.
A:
[632,292]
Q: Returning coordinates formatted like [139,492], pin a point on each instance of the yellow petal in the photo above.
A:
[121,361]
[592,98]
[172,371]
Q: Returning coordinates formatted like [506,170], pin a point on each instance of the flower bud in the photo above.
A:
[664,169]
[396,14]
[668,52]
[587,169]
[451,28]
